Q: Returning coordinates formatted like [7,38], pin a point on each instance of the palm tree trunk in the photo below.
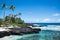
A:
[11,16]
[4,18]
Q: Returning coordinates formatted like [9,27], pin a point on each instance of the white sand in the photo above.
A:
[3,29]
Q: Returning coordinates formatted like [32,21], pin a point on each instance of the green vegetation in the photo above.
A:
[11,19]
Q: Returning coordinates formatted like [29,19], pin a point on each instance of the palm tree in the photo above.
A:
[12,7]
[17,15]
[4,6]
[1,21]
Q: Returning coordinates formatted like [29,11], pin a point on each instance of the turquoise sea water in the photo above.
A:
[42,35]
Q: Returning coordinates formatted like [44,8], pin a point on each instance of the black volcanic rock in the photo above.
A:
[28,24]
[19,31]
[4,33]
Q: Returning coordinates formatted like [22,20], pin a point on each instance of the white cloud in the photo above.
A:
[58,20]
[32,20]
[56,14]
[36,20]
[43,20]
[46,20]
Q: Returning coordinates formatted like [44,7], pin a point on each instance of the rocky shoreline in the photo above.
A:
[18,31]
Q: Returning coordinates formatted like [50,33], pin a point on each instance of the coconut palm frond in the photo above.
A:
[12,7]
[4,6]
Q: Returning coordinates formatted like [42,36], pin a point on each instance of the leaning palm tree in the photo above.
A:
[17,15]
[4,6]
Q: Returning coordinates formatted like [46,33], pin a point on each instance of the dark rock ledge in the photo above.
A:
[18,31]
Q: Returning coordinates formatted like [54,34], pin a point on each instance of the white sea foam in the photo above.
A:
[51,28]
[15,37]
[11,37]
[56,28]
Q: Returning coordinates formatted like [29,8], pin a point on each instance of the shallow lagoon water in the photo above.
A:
[43,35]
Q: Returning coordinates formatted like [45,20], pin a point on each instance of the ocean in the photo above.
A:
[52,32]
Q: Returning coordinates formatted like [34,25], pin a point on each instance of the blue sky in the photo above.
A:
[34,11]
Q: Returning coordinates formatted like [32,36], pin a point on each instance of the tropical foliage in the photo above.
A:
[12,18]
